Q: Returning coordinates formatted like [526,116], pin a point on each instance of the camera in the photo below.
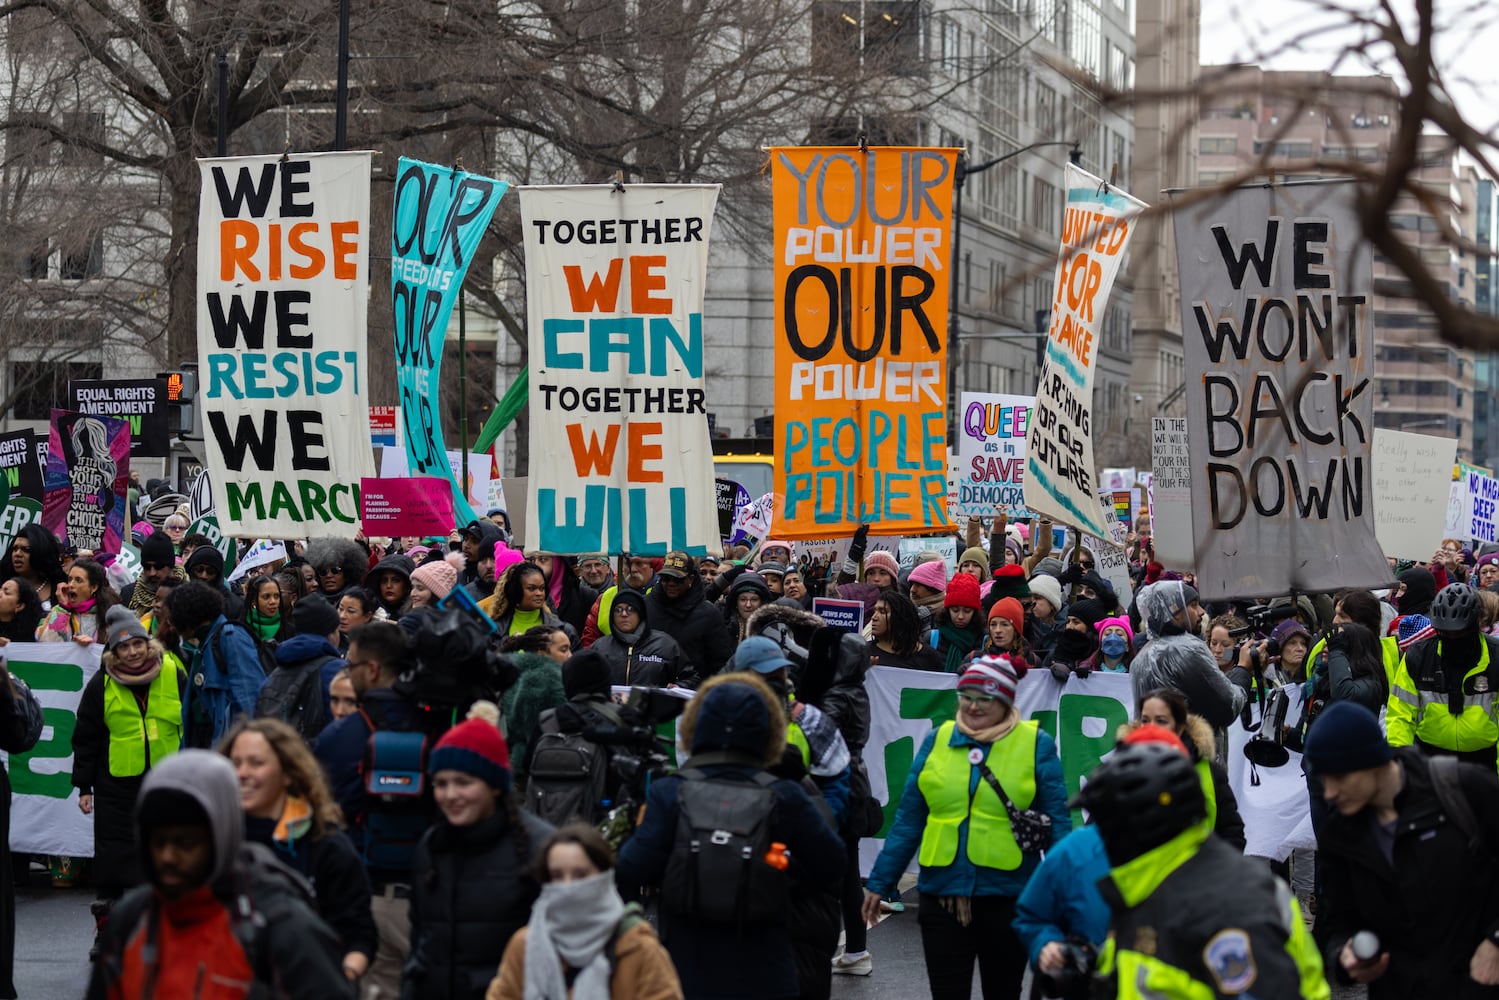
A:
[638,754]
[1262,618]
[453,664]
[1071,981]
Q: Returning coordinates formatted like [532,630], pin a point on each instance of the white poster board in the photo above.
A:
[1412,485]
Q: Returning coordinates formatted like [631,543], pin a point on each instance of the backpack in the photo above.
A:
[265,651]
[294,695]
[717,873]
[397,803]
[568,775]
[1454,800]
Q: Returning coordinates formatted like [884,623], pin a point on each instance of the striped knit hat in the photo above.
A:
[1412,629]
[475,747]
[991,675]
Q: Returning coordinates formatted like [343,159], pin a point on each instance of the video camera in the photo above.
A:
[1072,980]
[453,664]
[1262,618]
[638,755]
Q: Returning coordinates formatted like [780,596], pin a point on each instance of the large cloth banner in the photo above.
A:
[1278,345]
[87,481]
[20,484]
[862,246]
[283,293]
[1083,716]
[44,816]
[991,452]
[1061,478]
[614,305]
[1412,485]
[438,220]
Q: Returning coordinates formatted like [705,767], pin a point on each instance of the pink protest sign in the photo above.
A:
[419,505]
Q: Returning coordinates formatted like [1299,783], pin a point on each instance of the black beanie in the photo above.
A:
[205,554]
[157,550]
[586,672]
[313,615]
[1090,610]
[634,599]
[1344,738]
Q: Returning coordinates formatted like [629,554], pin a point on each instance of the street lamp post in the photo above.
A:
[960,174]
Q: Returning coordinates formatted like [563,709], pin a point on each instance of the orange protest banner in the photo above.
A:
[862,251]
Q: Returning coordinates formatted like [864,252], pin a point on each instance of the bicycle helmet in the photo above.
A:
[1141,797]
[1455,608]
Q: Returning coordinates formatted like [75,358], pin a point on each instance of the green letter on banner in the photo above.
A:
[937,704]
[1081,752]
[54,784]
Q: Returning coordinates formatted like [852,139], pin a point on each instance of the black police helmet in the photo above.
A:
[1141,797]
[1455,608]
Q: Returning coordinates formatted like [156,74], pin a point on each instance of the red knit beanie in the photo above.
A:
[962,592]
[475,747]
[1152,733]
[1008,607]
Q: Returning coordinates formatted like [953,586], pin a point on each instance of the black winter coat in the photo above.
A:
[655,661]
[696,624]
[117,863]
[20,728]
[1438,902]
[471,893]
[332,865]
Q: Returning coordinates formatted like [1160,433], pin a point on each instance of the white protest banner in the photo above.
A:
[991,454]
[1412,483]
[1061,479]
[283,291]
[1455,525]
[945,546]
[1272,800]
[1278,344]
[1170,493]
[1479,515]
[616,389]
[44,816]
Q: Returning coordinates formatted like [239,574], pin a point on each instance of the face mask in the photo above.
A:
[1113,646]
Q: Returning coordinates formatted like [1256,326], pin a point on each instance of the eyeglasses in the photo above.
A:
[976,699]
[1086,565]
[356,664]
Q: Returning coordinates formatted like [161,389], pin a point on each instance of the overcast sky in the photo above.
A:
[1279,35]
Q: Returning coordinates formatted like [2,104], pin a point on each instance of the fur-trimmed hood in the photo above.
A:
[745,716]
[801,622]
[1199,736]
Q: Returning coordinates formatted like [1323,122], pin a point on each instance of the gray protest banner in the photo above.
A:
[1278,343]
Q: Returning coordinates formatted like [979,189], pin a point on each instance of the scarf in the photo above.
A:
[958,642]
[994,733]
[142,597]
[265,628]
[572,922]
[82,607]
[147,673]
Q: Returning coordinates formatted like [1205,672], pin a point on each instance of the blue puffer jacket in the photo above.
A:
[724,963]
[1062,897]
[224,678]
[962,877]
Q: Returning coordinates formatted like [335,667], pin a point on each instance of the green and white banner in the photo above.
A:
[44,816]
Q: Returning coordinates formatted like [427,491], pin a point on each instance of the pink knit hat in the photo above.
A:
[881,560]
[505,557]
[1123,622]
[930,574]
[438,577]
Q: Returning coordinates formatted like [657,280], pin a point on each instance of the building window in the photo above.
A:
[1221,145]
[1044,210]
[83,259]
[82,129]
[41,386]
[32,264]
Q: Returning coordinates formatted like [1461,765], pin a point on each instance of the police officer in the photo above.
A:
[1175,931]
[1442,700]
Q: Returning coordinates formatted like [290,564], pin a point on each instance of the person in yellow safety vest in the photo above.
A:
[1363,607]
[956,811]
[1192,918]
[1442,700]
[129,720]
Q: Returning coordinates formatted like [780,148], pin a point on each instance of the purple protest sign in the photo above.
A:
[86,481]
[418,505]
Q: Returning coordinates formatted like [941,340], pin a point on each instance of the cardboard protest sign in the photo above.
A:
[991,450]
[1412,483]
[142,403]
[1061,479]
[614,300]
[1108,557]
[437,222]
[283,290]
[862,247]
[44,815]
[87,481]
[1170,493]
[1278,344]
[1480,516]
[20,484]
[420,505]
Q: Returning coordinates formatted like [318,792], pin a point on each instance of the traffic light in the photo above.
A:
[182,391]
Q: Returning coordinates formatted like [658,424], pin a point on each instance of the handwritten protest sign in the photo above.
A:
[283,291]
[1278,343]
[20,484]
[437,223]
[1455,525]
[142,403]
[862,241]
[1060,475]
[1480,516]
[991,453]
[614,298]
[1171,493]
[1412,482]
[87,481]
[420,505]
